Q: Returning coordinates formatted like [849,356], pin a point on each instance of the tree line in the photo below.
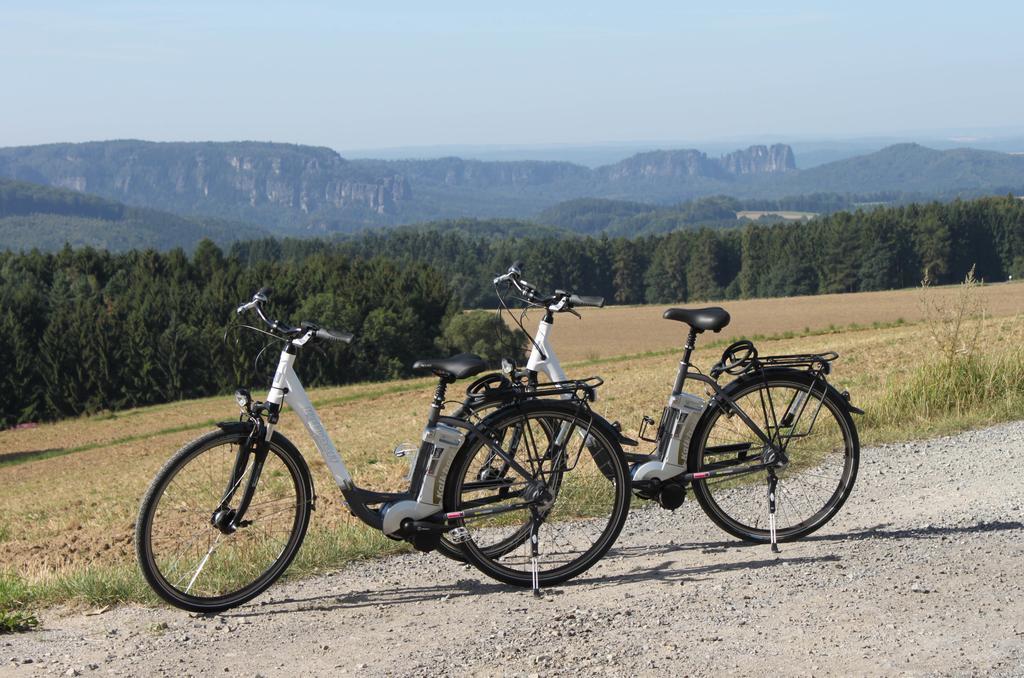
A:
[85,330]
[876,249]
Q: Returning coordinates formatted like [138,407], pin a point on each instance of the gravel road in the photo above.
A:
[920,574]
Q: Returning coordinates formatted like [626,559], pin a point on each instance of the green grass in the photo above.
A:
[92,586]
[17,622]
[951,394]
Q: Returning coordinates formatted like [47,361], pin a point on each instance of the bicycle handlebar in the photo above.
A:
[334,335]
[559,301]
[578,300]
[311,330]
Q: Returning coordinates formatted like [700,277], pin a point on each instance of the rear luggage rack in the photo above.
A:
[490,388]
[741,357]
[812,361]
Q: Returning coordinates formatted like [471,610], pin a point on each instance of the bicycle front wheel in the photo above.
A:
[186,558]
[585,485]
[819,438]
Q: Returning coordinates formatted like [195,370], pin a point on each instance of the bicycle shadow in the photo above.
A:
[665,571]
[712,547]
[358,599]
[669,572]
[881,531]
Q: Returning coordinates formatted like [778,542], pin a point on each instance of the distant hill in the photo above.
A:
[43,217]
[305,190]
[310,190]
[911,168]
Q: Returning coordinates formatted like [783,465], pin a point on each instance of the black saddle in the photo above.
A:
[700,319]
[457,367]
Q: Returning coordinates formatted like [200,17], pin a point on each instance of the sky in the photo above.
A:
[359,75]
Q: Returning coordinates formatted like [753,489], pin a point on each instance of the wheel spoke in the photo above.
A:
[814,483]
[188,559]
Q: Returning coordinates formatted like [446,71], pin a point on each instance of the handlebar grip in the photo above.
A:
[264,292]
[577,300]
[334,335]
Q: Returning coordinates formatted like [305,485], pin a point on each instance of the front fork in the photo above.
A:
[255,447]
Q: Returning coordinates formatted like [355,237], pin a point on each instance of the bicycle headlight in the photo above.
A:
[243,398]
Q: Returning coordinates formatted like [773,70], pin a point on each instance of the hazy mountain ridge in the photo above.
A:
[304,189]
[45,217]
[240,180]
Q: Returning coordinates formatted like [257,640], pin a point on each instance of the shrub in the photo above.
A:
[482,333]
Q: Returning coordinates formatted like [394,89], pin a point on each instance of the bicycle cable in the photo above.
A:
[519,321]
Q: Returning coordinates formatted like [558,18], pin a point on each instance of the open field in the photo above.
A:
[628,330]
[784,214]
[66,521]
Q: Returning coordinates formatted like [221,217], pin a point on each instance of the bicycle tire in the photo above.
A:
[282,459]
[748,491]
[605,481]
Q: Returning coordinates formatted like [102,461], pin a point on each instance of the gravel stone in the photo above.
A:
[919,574]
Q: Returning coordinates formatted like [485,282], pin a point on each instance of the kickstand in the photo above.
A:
[773,482]
[535,550]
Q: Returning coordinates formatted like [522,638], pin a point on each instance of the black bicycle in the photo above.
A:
[771,456]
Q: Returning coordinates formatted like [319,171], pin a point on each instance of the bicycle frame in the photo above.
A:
[400,514]
[542,356]
[670,462]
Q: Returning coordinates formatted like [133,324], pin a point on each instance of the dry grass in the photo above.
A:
[66,522]
[630,330]
[782,214]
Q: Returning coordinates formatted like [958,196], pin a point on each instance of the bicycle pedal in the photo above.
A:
[459,535]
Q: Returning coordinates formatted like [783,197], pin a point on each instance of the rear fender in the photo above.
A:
[842,398]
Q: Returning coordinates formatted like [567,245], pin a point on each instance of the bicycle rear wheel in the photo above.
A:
[587,493]
[821,443]
[191,563]
[446,547]
[493,467]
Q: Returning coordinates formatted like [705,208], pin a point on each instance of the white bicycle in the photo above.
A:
[771,456]
[226,515]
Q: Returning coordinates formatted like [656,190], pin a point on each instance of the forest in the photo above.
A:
[877,249]
[84,330]
[44,217]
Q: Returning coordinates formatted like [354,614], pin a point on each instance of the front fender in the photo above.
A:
[279,441]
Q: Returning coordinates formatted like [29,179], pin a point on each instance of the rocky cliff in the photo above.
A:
[694,163]
[759,160]
[305,187]
[204,177]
